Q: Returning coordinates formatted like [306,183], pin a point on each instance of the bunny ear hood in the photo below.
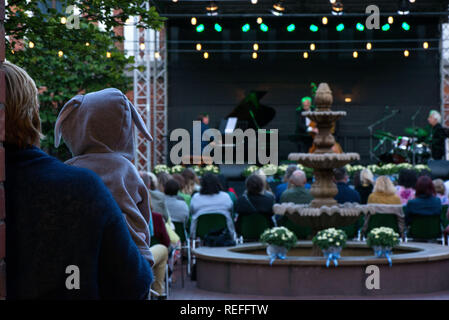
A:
[99,122]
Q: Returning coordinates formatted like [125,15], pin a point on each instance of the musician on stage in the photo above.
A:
[438,135]
[304,129]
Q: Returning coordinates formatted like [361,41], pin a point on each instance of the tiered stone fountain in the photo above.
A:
[323,212]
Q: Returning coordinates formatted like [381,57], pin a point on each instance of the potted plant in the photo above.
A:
[161,168]
[210,168]
[177,169]
[279,240]
[331,241]
[382,240]
[250,170]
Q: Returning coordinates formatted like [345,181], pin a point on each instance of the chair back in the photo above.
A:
[181,231]
[425,227]
[250,227]
[210,222]
[444,219]
[301,232]
[377,220]
[352,230]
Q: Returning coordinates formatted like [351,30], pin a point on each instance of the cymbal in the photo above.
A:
[384,135]
[416,132]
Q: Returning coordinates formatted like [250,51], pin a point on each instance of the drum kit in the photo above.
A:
[413,148]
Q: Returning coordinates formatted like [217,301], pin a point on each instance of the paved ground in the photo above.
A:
[191,292]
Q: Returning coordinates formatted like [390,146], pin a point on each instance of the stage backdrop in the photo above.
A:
[377,82]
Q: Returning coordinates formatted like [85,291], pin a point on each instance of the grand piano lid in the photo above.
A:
[251,110]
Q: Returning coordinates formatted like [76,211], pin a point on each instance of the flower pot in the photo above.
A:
[276,252]
[383,252]
[332,254]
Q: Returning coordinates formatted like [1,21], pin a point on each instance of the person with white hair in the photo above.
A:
[296,191]
[438,135]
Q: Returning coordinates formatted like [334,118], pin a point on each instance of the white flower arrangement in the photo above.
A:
[161,168]
[176,169]
[382,237]
[210,168]
[250,170]
[330,237]
[269,169]
[279,236]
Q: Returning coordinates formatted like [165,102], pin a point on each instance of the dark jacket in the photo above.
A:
[422,205]
[437,142]
[364,192]
[346,193]
[261,204]
[58,216]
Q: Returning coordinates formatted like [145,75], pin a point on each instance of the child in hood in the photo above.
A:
[98,130]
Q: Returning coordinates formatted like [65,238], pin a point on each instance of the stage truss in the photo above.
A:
[444,65]
[150,95]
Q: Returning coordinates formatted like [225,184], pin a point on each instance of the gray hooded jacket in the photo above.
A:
[98,130]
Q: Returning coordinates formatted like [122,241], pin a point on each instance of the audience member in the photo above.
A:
[60,215]
[255,200]
[425,202]
[181,181]
[384,192]
[162,178]
[296,191]
[440,191]
[345,192]
[406,184]
[179,211]
[365,188]
[192,183]
[284,185]
[211,199]
[157,197]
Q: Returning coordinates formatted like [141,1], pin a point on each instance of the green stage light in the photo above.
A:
[313,28]
[405,26]
[200,28]
[264,27]
[386,27]
[291,28]
[340,27]
[360,26]
[218,28]
[246,27]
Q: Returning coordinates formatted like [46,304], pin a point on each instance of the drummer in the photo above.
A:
[438,136]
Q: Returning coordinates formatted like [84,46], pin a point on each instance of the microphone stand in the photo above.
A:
[370,128]
[413,141]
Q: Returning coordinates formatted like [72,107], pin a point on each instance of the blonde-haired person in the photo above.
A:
[440,190]
[365,187]
[65,203]
[263,176]
[384,192]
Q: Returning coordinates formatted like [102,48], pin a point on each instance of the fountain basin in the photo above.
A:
[245,269]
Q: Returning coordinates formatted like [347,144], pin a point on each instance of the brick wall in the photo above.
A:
[2,156]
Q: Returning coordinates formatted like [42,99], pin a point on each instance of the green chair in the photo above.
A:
[444,219]
[250,227]
[352,231]
[210,222]
[181,231]
[301,232]
[424,227]
[377,220]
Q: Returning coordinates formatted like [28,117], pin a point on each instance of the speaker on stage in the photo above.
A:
[439,169]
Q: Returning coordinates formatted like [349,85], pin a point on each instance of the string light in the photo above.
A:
[369,46]
[206,55]
[60,53]
[87,44]
[108,54]
[31,44]
[254,55]
[193,21]
[142,46]
[312,46]
[198,46]
[259,20]
[406,53]
[355,54]
[157,55]
[348,100]
[390,20]
[63,20]
[305,55]
[254,1]
[255,47]
[425,45]
[324,20]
